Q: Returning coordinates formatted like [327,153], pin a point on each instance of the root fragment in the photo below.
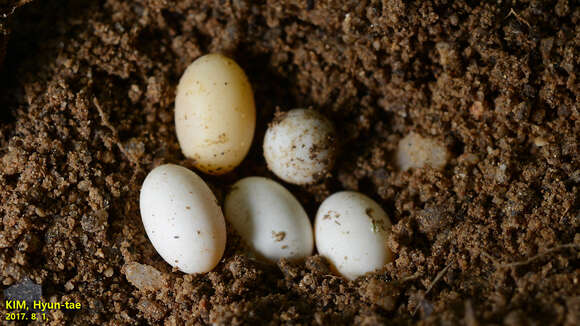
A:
[435,280]
[106,123]
[529,260]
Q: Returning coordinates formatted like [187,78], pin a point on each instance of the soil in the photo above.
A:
[87,93]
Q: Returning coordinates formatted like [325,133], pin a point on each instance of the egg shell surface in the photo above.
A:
[300,146]
[182,219]
[269,219]
[215,114]
[351,231]
[416,151]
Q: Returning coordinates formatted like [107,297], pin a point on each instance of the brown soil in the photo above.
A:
[87,95]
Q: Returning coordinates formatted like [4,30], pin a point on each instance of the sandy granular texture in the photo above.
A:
[87,93]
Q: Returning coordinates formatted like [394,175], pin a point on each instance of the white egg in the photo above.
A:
[182,219]
[215,114]
[269,219]
[351,232]
[300,146]
[415,151]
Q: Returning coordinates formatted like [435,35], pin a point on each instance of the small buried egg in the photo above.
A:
[215,115]
[182,219]
[416,151]
[269,219]
[299,146]
[351,231]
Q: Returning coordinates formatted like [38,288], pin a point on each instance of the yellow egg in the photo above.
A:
[215,114]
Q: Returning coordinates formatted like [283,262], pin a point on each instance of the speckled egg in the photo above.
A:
[215,115]
[269,219]
[300,146]
[182,219]
[351,231]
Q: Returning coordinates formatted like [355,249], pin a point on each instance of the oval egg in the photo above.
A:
[182,219]
[269,219]
[300,146]
[215,114]
[351,232]
[416,151]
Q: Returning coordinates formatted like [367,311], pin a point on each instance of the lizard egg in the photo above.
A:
[182,219]
[269,219]
[215,115]
[415,151]
[299,146]
[351,232]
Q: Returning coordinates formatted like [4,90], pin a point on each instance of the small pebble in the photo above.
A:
[143,277]
[215,114]
[269,219]
[417,152]
[351,232]
[26,290]
[69,286]
[182,219]
[109,272]
[539,141]
[300,146]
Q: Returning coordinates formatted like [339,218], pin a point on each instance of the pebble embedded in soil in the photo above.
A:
[269,219]
[299,146]
[351,231]
[415,151]
[215,114]
[26,290]
[182,219]
[144,277]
